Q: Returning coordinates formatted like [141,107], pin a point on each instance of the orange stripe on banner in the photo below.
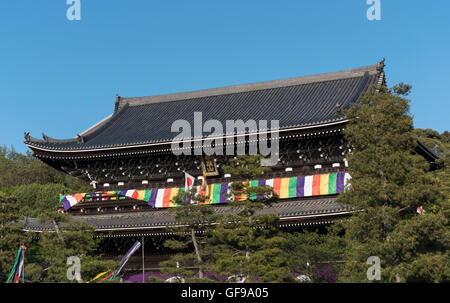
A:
[166,197]
[277,186]
[316,185]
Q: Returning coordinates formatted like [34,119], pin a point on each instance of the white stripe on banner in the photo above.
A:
[159,198]
[308,186]
[129,193]
[72,200]
[347,177]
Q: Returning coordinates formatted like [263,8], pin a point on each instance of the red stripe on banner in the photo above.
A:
[277,186]
[166,197]
[135,195]
[316,185]
[108,276]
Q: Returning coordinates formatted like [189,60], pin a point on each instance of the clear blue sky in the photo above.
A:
[60,77]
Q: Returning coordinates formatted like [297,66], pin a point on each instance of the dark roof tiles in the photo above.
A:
[161,218]
[294,102]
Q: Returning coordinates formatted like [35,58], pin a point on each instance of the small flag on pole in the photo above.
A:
[420,210]
[125,258]
[188,182]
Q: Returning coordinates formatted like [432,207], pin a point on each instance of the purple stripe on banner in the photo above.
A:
[223,191]
[340,182]
[300,186]
[123,193]
[152,199]
[66,204]
[261,183]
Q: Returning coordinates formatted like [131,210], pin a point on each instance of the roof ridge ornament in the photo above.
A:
[116,104]
[27,136]
[80,139]
[380,65]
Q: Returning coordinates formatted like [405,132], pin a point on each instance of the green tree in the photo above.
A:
[18,169]
[389,182]
[47,259]
[312,250]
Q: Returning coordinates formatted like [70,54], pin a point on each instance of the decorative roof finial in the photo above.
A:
[44,137]
[380,65]
[26,135]
[116,104]
[80,139]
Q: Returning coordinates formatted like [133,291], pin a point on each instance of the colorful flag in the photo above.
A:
[16,271]
[125,258]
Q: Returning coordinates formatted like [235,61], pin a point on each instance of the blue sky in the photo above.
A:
[60,77]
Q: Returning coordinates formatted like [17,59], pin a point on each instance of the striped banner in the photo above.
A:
[285,188]
[69,201]
[17,269]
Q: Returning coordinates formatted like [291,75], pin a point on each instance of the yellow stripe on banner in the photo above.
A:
[324,184]
[110,193]
[173,194]
[209,193]
[97,276]
[141,195]
[284,188]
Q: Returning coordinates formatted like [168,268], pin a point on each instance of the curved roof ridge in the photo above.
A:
[240,88]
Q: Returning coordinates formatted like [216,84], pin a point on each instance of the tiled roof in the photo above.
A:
[295,102]
[161,218]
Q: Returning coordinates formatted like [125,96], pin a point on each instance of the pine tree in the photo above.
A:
[195,224]
[389,182]
[47,257]
[245,244]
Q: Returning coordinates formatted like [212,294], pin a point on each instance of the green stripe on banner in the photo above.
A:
[147,195]
[60,199]
[15,265]
[332,184]
[181,189]
[216,193]
[253,183]
[292,187]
